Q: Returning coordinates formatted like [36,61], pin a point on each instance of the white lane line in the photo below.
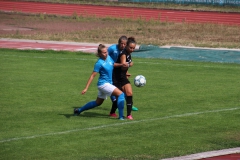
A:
[207,154]
[86,49]
[116,124]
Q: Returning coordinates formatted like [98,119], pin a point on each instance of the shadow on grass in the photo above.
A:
[89,113]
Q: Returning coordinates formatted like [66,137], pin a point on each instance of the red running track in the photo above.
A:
[48,45]
[121,12]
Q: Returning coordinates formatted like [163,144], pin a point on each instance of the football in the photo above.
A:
[140,81]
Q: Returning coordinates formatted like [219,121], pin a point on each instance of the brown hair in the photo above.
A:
[131,40]
[122,38]
[99,50]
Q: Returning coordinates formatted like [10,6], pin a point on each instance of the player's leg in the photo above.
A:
[127,89]
[102,95]
[114,106]
[89,105]
[133,107]
[120,101]
[114,100]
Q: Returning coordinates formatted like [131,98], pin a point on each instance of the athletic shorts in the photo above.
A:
[119,82]
[123,82]
[105,90]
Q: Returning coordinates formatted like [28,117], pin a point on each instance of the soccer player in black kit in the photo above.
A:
[120,74]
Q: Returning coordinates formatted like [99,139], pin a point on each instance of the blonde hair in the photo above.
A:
[99,50]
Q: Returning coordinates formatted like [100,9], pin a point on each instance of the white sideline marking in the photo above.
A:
[207,154]
[116,124]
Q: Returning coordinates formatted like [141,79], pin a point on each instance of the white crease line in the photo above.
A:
[116,124]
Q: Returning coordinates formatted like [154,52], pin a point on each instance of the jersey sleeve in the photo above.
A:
[97,67]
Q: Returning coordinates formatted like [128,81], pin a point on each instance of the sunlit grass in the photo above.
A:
[185,108]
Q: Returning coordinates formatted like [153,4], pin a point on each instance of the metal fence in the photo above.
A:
[206,2]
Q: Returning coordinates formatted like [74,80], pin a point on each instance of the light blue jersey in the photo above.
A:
[114,52]
[105,69]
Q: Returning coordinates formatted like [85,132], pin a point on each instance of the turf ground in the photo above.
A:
[185,108]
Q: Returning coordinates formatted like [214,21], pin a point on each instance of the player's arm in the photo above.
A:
[117,65]
[131,64]
[123,61]
[89,82]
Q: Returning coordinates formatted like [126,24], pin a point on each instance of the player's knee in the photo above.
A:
[128,92]
[121,97]
[99,102]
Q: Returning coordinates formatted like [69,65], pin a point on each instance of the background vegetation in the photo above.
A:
[108,30]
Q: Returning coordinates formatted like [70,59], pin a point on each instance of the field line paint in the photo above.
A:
[153,63]
[116,124]
[208,154]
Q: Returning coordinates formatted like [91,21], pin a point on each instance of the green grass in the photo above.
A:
[185,108]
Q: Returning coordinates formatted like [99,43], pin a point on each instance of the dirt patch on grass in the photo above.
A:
[108,30]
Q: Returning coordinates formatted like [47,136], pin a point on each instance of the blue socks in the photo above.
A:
[113,98]
[120,104]
[93,104]
[88,106]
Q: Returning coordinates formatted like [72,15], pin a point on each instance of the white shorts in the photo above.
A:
[105,90]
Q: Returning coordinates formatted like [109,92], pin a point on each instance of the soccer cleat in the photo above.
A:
[113,115]
[121,118]
[76,112]
[130,117]
[134,108]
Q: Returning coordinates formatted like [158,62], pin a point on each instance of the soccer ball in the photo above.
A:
[140,81]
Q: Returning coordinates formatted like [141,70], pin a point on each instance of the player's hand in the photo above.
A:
[84,91]
[125,65]
[128,75]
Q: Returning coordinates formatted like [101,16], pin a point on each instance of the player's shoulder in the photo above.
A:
[123,52]
[109,58]
[99,61]
[114,46]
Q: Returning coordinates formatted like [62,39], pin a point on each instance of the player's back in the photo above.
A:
[113,52]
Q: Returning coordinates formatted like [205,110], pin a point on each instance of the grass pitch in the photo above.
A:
[185,108]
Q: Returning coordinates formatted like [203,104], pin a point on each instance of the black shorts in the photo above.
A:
[120,79]
[120,83]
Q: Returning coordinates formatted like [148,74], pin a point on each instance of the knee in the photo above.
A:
[129,93]
[99,102]
[121,97]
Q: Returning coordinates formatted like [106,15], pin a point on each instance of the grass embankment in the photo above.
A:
[89,28]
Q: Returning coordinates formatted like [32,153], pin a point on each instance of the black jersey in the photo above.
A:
[119,75]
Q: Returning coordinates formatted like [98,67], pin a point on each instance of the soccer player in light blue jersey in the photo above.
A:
[115,49]
[104,66]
